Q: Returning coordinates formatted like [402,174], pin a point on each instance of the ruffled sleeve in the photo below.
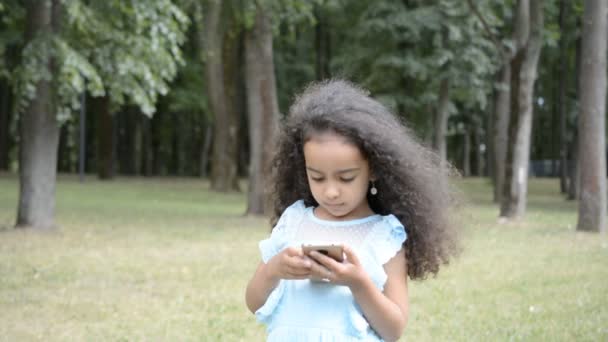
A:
[279,239]
[264,314]
[386,242]
[282,231]
[390,239]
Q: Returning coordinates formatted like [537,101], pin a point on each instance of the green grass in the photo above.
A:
[165,259]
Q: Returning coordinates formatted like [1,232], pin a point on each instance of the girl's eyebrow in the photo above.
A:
[338,172]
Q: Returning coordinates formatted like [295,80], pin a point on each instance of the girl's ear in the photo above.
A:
[372,177]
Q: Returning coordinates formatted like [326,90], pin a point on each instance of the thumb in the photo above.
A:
[350,255]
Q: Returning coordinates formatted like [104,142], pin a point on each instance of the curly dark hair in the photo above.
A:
[411,180]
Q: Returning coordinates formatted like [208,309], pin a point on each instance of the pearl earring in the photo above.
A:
[373,189]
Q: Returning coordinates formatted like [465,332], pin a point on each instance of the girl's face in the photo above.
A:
[338,176]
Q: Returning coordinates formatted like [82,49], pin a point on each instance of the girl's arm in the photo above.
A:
[387,311]
[288,264]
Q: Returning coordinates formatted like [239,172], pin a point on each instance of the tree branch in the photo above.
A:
[506,56]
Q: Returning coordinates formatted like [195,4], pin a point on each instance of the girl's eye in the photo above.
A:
[316,179]
[347,180]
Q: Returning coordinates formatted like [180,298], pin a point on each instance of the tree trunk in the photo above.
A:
[466,153]
[529,25]
[234,94]
[573,169]
[175,165]
[429,126]
[90,160]
[6,99]
[205,126]
[146,156]
[63,150]
[156,125]
[224,157]
[204,158]
[137,141]
[488,121]
[477,141]
[501,130]
[561,99]
[126,141]
[105,137]
[263,108]
[592,119]
[39,133]
[441,119]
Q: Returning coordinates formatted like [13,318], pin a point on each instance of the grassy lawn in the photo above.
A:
[165,259]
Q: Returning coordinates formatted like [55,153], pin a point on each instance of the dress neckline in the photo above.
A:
[310,213]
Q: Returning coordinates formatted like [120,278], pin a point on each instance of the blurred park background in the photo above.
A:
[134,136]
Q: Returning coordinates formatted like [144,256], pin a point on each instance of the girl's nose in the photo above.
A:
[332,192]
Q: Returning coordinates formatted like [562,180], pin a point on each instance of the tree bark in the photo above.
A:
[233,60]
[479,160]
[466,153]
[501,130]
[204,155]
[224,154]
[441,119]
[528,34]
[39,133]
[263,108]
[562,100]
[63,150]
[6,100]
[489,119]
[573,169]
[592,119]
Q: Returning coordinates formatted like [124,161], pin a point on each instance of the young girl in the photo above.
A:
[348,173]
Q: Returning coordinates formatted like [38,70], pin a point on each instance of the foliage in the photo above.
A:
[11,24]
[128,51]
[186,92]
[137,51]
[401,52]
[545,142]
[282,11]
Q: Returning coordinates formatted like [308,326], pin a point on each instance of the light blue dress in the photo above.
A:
[305,310]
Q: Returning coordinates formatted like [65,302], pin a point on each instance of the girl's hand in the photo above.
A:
[349,272]
[290,263]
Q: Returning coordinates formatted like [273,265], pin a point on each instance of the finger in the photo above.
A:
[351,256]
[321,272]
[299,266]
[325,260]
[300,262]
[293,251]
[298,275]
[298,269]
